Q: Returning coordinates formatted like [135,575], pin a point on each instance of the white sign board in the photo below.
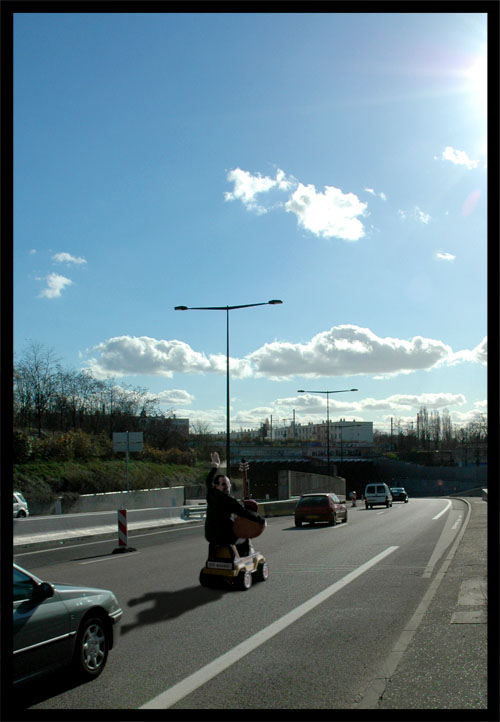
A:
[133,443]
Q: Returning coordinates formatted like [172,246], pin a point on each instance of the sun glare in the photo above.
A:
[477,75]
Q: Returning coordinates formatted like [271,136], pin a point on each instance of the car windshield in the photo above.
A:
[313,501]
[397,488]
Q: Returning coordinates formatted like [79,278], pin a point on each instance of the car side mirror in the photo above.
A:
[43,591]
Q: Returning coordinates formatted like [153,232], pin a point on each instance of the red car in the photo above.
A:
[325,507]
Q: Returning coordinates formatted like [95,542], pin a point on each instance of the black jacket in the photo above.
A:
[220,506]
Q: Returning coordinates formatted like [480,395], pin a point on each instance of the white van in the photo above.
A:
[377,494]
[20,505]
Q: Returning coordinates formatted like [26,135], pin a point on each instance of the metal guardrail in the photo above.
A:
[194,512]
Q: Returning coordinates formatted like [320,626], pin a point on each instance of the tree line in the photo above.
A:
[50,398]
[433,431]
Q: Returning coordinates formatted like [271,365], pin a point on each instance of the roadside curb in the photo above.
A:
[439,661]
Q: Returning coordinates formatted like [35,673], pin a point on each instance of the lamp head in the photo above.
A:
[275,301]
[181,308]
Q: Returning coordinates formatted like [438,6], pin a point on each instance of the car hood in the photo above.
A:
[87,596]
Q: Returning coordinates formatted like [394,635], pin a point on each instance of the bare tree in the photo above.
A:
[36,375]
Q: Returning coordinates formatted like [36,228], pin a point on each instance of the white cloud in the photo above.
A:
[55,285]
[458,157]
[312,408]
[328,214]
[444,256]
[479,354]
[131,355]
[345,350]
[68,258]
[373,193]
[176,397]
[420,215]
[417,214]
[248,186]
[348,350]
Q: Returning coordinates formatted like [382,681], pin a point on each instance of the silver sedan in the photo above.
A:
[61,625]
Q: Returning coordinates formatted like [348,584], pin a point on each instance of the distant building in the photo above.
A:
[180,425]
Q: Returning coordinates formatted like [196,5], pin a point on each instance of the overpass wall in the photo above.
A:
[295,483]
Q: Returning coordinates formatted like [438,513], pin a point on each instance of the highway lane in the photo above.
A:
[173,629]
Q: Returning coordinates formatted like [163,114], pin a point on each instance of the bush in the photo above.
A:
[81,444]
[168,456]
[175,456]
[58,447]
[21,447]
[36,491]
[102,446]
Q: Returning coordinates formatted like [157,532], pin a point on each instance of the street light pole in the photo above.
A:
[341,391]
[227,309]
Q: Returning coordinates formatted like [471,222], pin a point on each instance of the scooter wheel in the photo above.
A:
[262,572]
[244,580]
[207,580]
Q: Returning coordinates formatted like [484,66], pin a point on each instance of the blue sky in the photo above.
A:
[334,161]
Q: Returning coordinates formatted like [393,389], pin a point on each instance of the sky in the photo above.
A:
[334,161]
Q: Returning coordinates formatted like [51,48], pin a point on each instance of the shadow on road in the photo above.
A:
[34,692]
[168,605]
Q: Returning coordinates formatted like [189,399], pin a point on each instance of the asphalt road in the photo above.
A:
[314,636]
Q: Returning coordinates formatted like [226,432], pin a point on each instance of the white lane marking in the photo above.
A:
[189,684]
[375,691]
[448,505]
[113,556]
[457,522]
[104,541]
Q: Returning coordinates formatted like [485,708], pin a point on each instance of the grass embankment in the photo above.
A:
[42,482]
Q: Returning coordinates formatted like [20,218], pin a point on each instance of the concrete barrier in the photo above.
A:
[74,526]
[36,530]
[277,508]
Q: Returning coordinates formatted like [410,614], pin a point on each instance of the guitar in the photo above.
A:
[246,528]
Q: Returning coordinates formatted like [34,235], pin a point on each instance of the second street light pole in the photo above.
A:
[227,309]
[341,391]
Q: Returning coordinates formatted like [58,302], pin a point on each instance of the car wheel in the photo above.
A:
[21,514]
[406,501]
[244,580]
[91,649]
[298,522]
[333,520]
[262,572]
[345,519]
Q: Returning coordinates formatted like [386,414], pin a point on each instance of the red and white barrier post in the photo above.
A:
[122,533]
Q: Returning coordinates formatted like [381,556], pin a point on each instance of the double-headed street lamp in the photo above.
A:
[226,309]
[342,391]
